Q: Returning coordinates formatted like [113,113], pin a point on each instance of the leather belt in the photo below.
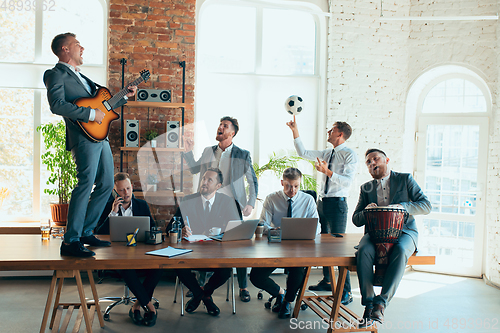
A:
[334,199]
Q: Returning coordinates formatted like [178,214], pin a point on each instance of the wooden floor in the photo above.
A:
[424,303]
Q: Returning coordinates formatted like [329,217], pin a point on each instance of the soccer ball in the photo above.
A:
[294,105]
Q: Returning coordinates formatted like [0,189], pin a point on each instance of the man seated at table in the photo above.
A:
[387,188]
[199,213]
[288,202]
[125,204]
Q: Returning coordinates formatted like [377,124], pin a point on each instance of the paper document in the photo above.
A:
[169,252]
[197,238]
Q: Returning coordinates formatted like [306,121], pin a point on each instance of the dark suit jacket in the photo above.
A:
[241,168]
[404,191]
[222,211]
[139,208]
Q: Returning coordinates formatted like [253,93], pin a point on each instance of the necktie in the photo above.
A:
[207,207]
[329,168]
[289,211]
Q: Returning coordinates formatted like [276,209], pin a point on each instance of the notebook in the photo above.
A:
[237,230]
[120,226]
[299,228]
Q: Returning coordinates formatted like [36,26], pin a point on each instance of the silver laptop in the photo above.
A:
[237,230]
[120,226]
[299,228]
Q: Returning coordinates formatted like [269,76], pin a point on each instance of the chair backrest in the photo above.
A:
[310,192]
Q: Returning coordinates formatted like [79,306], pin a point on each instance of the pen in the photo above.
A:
[135,232]
[187,222]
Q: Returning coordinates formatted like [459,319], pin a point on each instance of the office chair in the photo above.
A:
[125,299]
[230,287]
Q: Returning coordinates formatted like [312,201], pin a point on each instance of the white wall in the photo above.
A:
[372,63]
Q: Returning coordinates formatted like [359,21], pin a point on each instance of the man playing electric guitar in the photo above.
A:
[94,160]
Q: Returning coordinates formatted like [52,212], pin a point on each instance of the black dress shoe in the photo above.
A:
[378,313]
[150,318]
[285,310]
[366,321]
[189,293]
[75,249]
[346,298]
[212,309]
[245,296]
[193,303]
[92,240]
[136,316]
[321,286]
[277,304]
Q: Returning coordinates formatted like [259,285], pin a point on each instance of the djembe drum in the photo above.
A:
[384,225]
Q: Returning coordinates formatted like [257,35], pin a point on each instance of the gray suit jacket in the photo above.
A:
[241,167]
[63,88]
[404,191]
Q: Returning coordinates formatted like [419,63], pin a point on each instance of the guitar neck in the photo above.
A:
[118,96]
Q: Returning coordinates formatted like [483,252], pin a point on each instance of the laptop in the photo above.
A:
[299,228]
[237,230]
[120,226]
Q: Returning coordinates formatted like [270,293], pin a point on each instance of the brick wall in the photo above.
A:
[372,64]
[152,35]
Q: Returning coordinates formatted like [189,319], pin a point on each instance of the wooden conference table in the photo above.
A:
[29,252]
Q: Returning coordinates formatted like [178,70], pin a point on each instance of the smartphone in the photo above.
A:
[115,194]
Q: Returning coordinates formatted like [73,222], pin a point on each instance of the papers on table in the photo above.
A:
[197,238]
[169,252]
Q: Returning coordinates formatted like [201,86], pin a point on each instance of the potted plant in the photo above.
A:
[151,135]
[152,182]
[62,169]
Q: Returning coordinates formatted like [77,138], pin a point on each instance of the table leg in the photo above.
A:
[83,301]
[337,295]
[298,301]
[96,298]
[49,302]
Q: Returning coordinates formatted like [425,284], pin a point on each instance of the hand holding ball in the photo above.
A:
[294,105]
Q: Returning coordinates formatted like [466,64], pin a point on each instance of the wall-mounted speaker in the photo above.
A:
[132,133]
[172,132]
[154,95]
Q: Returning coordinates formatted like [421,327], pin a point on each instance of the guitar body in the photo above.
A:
[97,132]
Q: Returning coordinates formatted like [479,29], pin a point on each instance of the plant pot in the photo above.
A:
[59,214]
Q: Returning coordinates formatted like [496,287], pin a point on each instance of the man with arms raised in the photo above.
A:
[236,165]
[289,202]
[339,167]
[386,188]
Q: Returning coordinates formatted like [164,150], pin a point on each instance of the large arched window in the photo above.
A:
[25,36]
[452,138]
[251,56]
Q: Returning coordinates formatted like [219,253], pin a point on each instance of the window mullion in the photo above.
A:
[38,31]
[259,18]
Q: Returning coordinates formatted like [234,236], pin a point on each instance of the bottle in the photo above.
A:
[176,225]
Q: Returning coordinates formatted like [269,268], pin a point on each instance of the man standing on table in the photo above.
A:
[339,166]
[387,188]
[94,160]
[289,202]
[236,165]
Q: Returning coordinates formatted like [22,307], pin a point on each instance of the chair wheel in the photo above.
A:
[156,305]
[106,316]
[267,305]
[260,296]
[303,306]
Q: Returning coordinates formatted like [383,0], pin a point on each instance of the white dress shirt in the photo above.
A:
[223,162]
[211,202]
[276,207]
[125,212]
[383,190]
[344,165]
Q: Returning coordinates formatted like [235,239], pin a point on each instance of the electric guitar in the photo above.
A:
[106,103]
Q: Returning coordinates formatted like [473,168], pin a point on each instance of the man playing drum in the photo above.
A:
[398,190]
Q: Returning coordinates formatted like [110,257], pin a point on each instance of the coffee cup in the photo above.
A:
[214,231]
[259,231]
